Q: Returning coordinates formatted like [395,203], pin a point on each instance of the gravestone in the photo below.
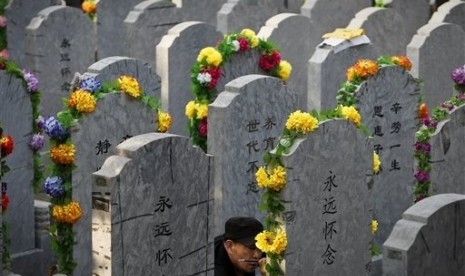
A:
[152,208]
[429,239]
[388,104]
[327,70]
[291,33]
[110,26]
[450,12]
[19,13]
[16,119]
[414,13]
[243,124]
[145,25]
[200,10]
[59,42]
[432,64]
[111,68]
[116,118]
[326,201]
[381,25]
[446,148]
[176,54]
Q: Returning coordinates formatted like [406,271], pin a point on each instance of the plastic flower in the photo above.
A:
[2,21]
[276,180]
[211,56]
[376,163]
[204,77]
[254,41]
[5,203]
[284,70]
[31,81]
[423,111]
[351,74]
[301,122]
[351,114]
[269,61]
[209,77]
[374,226]
[89,6]
[4,54]
[243,44]
[203,128]
[53,186]
[63,154]
[40,121]
[262,178]
[402,61]
[421,176]
[90,84]
[6,145]
[69,213]
[37,141]
[269,242]
[54,129]
[458,75]
[164,121]
[201,110]
[423,147]
[82,101]
[190,109]
[130,86]
[366,67]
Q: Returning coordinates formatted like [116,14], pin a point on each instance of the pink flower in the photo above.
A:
[2,21]
[4,54]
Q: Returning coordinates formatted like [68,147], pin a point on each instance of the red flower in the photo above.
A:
[5,202]
[203,128]
[269,61]
[6,145]
[215,74]
[423,111]
[243,44]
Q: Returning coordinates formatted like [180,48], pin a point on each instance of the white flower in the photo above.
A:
[204,77]
[236,44]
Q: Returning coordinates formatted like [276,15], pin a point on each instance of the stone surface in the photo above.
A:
[279,29]
[327,72]
[327,201]
[429,239]
[432,64]
[388,104]
[414,13]
[60,40]
[176,54]
[450,12]
[446,148]
[243,123]
[154,197]
[200,10]
[145,26]
[19,13]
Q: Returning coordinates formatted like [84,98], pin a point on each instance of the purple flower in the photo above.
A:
[54,129]
[31,80]
[40,121]
[460,97]
[430,123]
[91,84]
[447,106]
[54,186]
[458,75]
[37,141]
[421,176]
[422,146]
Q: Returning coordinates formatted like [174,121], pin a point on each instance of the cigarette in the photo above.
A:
[248,261]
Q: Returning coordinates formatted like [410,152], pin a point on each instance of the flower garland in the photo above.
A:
[58,185]
[89,7]
[6,148]
[206,73]
[422,146]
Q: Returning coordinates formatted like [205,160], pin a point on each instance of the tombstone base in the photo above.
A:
[376,266]
[36,261]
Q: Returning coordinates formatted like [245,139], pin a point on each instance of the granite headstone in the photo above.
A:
[450,12]
[200,10]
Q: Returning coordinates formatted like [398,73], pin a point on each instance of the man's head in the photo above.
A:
[239,242]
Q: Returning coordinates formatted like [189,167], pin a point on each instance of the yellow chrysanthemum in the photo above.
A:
[280,242]
[351,114]
[277,178]
[301,122]
[270,242]
[164,121]
[351,74]
[366,67]
[201,110]
[82,101]
[69,213]
[211,56]
[376,163]
[262,178]
[190,109]
[374,226]
[250,34]
[402,61]
[89,7]
[63,154]
[130,86]
[284,70]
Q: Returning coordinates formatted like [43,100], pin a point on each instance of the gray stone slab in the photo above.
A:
[450,12]
[414,13]
[446,148]
[291,33]
[432,64]
[381,25]
[327,71]
[154,198]
[429,239]
[327,201]
[243,123]
[145,26]
[116,118]
[60,40]
[176,54]
[16,119]
[111,68]
[200,10]
[19,13]
[388,104]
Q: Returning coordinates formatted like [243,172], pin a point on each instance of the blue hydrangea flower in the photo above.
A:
[91,84]
[54,186]
[37,141]
[54,129]
[31,81]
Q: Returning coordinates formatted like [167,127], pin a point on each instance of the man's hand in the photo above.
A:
[262,264]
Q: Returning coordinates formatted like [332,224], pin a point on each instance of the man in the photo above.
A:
[235,251]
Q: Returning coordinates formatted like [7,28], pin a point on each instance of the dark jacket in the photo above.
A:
[223,266]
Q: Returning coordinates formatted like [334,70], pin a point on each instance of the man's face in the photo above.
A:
[243,257]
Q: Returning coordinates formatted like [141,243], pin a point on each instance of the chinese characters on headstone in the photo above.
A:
[329,210]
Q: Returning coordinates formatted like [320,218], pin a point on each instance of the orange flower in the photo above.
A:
[423,111]
[351,74]
[69,213]
[402,61]
[366,67]
[63,154]
[89,7]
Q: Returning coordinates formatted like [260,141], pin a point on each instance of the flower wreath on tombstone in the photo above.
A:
[65,212]
[422,146]
[89,7]
[207,71]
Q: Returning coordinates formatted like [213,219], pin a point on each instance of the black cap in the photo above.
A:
[242,229]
